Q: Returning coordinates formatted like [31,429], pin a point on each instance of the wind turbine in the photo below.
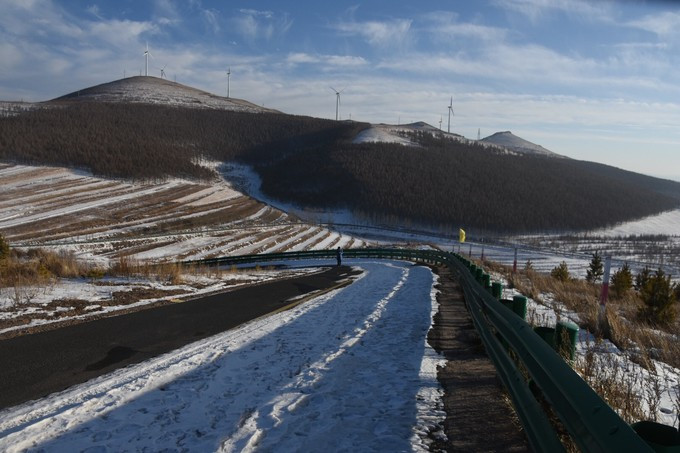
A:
[163,71]
[337,101]
[440,122]
[147,54]
[450,113]
[228,79]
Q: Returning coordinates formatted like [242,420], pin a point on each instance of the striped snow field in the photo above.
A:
[169,220]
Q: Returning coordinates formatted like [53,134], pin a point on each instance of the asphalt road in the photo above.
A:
[33,366]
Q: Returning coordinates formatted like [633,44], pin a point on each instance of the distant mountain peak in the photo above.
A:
[510,141]
[154,90]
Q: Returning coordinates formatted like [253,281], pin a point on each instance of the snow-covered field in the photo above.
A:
[347,371]
[103,219]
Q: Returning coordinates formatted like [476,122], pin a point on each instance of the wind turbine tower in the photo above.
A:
[448,129]
[440,122]
[337,102]
[228,80]
[147,54]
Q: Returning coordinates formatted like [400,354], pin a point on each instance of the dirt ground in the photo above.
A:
[479,415]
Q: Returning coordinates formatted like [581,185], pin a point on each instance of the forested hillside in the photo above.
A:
[450,183]
[141,141]
[312,162]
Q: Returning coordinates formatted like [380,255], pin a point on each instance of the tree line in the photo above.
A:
[312,162]
[448,182]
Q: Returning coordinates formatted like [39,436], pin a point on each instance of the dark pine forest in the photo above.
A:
[313,163]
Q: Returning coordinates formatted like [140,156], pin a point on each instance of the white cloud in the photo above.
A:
[253,24]
[380,34]
[94,10]
[211,18]
[665,25]
[538,9]
[301,58]
[444,25]
[325,60]
[166,13]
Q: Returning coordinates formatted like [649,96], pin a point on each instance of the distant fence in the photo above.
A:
[522,358]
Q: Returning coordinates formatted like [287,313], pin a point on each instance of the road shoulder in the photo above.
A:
[479,415]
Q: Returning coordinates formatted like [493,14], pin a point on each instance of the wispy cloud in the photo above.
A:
[211,18]
[664,25]
[298,58]
[444,25]
[166,13]
[535,10]
[380,34]
[254,24]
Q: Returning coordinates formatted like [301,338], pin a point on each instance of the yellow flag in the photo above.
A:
[461,235]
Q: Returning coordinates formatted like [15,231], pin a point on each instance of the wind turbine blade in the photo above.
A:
[336,91]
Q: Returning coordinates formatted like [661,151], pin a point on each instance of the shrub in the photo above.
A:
[560,272]
[641,278]
[658,295]
[622,281]
[4,248]
[595,270]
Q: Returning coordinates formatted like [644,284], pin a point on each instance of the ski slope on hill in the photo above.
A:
[348,371]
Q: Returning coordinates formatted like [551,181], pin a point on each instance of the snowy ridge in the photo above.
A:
[153,90]
[390,133]
[513,143]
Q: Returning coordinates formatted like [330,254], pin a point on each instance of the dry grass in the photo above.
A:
[614,377]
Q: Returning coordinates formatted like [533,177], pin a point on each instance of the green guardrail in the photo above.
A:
[592,424]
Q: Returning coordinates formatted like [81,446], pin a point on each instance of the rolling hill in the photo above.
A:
[517,144]
[144,128]
[153,90]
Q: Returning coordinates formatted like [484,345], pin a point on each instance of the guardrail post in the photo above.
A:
[478,275]
[519,306]
[497,290]
[661,438]
[486,278]
[547,334]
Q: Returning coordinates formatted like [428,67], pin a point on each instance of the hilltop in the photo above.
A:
[153,90]
[517,144]
[403,134]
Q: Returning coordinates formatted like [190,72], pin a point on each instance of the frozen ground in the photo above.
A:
[347,371]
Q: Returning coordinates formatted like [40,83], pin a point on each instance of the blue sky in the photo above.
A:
[591,80]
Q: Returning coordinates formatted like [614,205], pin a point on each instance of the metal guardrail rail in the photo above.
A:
[592,424]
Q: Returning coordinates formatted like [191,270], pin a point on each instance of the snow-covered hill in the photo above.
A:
[390,133]
[153,90]
[514,143]
[503,141]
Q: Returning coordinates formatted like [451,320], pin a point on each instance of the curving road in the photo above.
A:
[32,366]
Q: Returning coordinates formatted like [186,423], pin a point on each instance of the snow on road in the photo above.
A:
[347,371]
